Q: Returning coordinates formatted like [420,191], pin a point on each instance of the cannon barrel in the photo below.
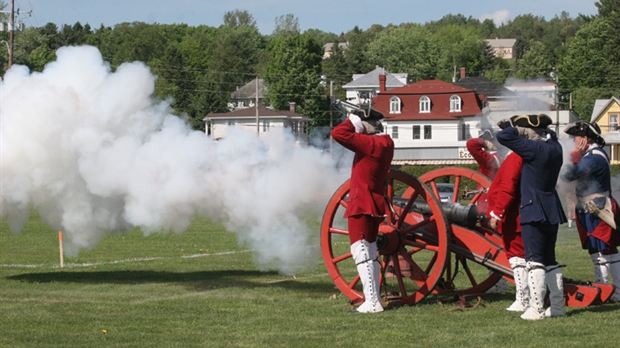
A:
[460,214]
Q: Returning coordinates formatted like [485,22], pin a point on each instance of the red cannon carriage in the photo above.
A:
[429,247]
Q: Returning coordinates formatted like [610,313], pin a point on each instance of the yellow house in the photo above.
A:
[606,113]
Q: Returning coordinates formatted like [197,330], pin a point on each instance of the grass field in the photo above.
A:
[201,289]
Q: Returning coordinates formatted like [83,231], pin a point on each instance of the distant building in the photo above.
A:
[364,87]
[218,124]
[245,96]
[502,47]
[327,48]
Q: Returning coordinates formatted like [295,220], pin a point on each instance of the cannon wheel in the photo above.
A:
[418,240]
[464,276]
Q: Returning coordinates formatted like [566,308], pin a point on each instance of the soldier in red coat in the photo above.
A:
[367,205]
[503,217]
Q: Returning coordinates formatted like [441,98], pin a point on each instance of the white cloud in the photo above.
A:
[498,17]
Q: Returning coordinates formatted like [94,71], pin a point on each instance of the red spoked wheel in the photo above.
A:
[465,274]
[413,240]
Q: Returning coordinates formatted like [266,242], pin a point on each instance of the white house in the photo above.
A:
[430,121]
[245,96]
[260,120]
[364,87]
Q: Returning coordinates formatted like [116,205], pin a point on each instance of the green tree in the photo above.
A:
[592,60]
[335,69]
[73,35]
[409,49]
[322,37]
[234,55]
[294,75]
[489,30]
[499,71]
[461,46]
[355,54]
[537,61]
[608,8]
[286,25]
[239,18]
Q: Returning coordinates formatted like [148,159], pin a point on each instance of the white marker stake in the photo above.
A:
[62,262]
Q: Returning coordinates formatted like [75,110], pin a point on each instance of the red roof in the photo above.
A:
[439,92]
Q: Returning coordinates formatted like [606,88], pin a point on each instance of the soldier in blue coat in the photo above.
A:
[541,211]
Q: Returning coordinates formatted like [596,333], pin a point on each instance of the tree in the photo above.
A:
[322,37]
[489,30]
[335,69]
[592,60]
[608,8]
[286,25]
[461,46]
[499,71]
[407,49]
[239,18]
[294,75]
[537,61]
[73,35]
[355,54]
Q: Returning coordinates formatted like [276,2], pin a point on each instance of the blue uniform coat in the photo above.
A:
[542,161]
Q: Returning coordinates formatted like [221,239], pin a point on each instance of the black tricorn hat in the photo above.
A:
[368,114]
[586,129]
[532,121]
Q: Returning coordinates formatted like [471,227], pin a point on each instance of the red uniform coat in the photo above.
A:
[488,163]
[373,156]
[504,197]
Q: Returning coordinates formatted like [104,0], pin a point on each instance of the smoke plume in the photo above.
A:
[95,153]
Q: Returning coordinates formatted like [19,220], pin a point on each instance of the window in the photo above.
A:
[613,122]
[394,105]
[428,132]
[455,103]
[425,104]
[265,126]
[464,131]
[416,132]
[394,132]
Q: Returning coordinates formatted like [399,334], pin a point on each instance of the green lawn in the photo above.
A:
[201,289]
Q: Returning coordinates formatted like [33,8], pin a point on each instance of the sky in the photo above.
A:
[334,16]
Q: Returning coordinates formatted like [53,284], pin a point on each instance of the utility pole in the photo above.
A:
[256,102]
[11,30]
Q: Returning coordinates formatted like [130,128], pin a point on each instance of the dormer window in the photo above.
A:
[395,105]
[455,103]
[425,104]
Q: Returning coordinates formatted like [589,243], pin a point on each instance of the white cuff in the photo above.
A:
[494,216]
[357,123]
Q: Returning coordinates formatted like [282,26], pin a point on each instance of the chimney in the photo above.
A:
[463,73]
[381,83]
[291,106]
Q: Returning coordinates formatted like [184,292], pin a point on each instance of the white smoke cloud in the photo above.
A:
[95,153]
[499,17]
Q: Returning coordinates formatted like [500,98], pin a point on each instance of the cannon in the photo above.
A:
[429,247]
